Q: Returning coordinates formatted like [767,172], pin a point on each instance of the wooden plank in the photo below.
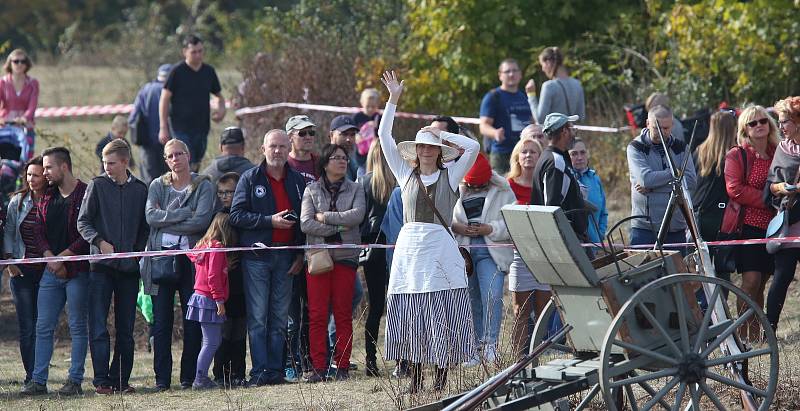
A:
[517,218]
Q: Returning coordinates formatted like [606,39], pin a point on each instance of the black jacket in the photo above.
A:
[114,213]
[254,204]
[373,218]
[555,183]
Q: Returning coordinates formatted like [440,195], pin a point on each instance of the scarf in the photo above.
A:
[333,189]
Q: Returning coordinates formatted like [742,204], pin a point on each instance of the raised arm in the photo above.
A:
[460,167]
[399,167]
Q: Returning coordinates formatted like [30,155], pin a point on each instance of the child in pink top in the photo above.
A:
[207,304]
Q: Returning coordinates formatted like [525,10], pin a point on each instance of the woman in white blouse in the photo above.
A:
[429,320]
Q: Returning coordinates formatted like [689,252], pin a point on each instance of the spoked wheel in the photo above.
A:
[692,357]
[560,351]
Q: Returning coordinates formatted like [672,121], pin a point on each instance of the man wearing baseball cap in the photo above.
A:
[144,123]
[343,132]
[231,157]
[555,182]
[302,133]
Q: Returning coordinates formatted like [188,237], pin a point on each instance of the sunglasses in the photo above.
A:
[757,122]
[19,61]
[476,187]
[309,133]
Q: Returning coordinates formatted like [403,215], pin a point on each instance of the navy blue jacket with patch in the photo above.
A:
[254,204]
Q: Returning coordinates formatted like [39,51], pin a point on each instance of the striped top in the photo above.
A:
[26,231]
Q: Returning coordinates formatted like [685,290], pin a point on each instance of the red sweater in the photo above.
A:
[22,105]
[211,273]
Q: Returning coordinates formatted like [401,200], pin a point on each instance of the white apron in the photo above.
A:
[426,259]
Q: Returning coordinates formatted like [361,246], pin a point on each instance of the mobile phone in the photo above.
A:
[291,216]
[474,224]
[790,187]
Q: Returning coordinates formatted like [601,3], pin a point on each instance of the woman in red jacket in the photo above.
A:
[207,304]
[744,182]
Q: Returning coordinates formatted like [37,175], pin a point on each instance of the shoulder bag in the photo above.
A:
[779,225]
[468,265]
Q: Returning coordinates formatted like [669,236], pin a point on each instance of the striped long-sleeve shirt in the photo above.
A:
[555,183]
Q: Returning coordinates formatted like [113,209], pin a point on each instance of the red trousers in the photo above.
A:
[326,291]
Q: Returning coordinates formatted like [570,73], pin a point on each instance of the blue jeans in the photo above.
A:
[163,318]
[486,294]
[125,288]
[197,142]
[641,236]
[25,289]
[53,294]
[267,294]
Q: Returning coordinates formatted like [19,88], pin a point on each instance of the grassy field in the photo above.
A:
[85,85]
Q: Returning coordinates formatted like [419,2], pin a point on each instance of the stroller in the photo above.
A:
[14,152]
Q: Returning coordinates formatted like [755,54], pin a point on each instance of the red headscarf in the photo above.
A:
[480,173]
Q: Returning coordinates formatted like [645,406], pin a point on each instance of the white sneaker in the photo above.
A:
[490,353]
[475,360]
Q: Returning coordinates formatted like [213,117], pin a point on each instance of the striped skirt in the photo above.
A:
[430,328]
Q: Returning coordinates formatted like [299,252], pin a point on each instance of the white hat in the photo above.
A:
[408,149]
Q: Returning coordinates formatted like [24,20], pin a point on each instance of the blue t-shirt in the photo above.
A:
[510,111]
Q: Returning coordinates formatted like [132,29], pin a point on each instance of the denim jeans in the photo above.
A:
[124,287]
[25,289]
[486,294]
[54,293]
[267,293]
[641,236]
[163,318]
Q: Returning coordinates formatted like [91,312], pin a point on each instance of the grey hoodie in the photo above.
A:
[191,218]
[648,167]
[225,164]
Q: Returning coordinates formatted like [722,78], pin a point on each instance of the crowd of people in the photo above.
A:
[427,196]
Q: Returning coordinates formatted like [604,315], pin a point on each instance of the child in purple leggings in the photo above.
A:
[207,304]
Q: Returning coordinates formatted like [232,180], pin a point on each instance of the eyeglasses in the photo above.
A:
[757,122]
[225,193]
[338,158]
[309,133]
[174,155]
[19,61]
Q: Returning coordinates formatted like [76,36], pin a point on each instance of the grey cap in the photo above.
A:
[554,121]
[298,122]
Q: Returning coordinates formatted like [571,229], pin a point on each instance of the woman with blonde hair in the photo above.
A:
[746,169]
[521,282]
[783,174]
[378,184]
[710,196]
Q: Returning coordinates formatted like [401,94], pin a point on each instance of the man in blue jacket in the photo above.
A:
[264,210]
[144,122]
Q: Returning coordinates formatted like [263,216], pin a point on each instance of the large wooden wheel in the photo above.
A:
[698,361]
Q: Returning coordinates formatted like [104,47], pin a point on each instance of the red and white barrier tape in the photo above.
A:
[261,247]
[113,109]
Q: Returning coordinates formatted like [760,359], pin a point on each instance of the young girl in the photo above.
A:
[207,304]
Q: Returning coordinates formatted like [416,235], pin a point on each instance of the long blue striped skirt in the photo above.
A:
[430,328]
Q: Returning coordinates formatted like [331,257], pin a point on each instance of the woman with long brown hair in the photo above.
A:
[378,184]
[710,196]
[19,242]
